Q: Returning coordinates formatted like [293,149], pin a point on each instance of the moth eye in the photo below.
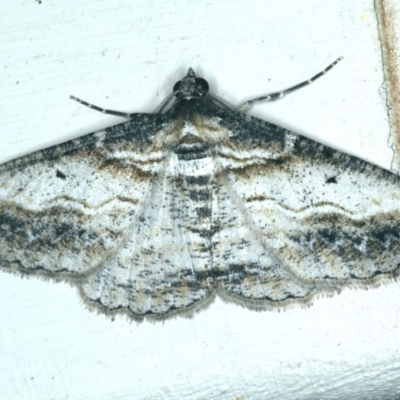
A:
[202,86]
[177,87]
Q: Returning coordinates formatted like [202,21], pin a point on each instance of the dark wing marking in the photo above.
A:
[64,209]
[303,234]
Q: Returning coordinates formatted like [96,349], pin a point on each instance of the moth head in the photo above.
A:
[191,86]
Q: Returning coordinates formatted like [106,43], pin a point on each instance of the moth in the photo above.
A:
[157,215]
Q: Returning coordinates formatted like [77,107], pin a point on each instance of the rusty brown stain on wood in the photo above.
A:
[386,15]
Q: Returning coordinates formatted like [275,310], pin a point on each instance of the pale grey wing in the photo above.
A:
[311,219]
[163,266]
[65,209]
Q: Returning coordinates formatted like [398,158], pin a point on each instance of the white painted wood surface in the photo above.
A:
[127,55]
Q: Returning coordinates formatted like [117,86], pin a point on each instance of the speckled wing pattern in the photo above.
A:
[157,215]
